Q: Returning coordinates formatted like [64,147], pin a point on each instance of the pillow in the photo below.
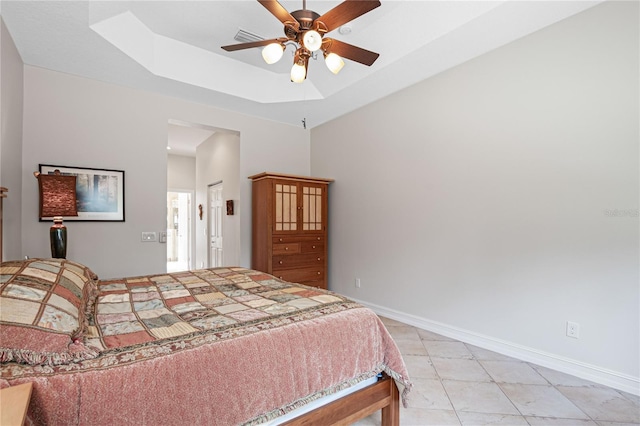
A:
[44,305]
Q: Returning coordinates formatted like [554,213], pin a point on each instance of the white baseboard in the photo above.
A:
[576,368]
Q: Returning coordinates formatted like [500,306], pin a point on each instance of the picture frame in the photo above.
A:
[100,193]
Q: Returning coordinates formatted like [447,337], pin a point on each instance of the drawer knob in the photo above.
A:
[318,238]
[318,259]
[318,272]
[280,262]
[286,248]
[313,246]
[280,239]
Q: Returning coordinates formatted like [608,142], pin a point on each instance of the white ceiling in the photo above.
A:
[173,48]
[182,139]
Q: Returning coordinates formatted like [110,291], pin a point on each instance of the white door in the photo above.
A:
[178,231]
[215,225]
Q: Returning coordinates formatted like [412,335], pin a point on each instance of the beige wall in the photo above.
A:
[75,121]
[10,142]
[218,161]
[479,202]
[181,173]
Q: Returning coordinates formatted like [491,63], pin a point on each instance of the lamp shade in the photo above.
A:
[333,62]
[300,64]
[57,195]
[312,40]
[298,73]
[272,53]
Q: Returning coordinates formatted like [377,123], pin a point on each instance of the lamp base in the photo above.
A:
[58,237]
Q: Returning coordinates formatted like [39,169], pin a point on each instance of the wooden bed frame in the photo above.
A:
[382,395]
[2,195]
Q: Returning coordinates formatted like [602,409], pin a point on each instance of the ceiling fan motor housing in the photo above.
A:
[305,18]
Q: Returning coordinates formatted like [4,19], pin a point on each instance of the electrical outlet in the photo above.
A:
[357,282]
[573,329]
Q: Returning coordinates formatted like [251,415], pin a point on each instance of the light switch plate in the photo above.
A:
[149,237]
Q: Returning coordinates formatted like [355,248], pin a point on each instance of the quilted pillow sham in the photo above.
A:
[44,304]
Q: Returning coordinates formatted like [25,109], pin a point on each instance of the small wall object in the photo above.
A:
[229,207]
[200,211]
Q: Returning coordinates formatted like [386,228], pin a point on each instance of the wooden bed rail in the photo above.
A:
[382,395]
[2,195]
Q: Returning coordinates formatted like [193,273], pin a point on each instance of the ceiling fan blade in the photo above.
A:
[280,12]
[240,46]
[345,12]
[349,51]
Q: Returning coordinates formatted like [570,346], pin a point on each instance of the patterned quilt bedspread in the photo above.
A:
[134,311]
[213,346]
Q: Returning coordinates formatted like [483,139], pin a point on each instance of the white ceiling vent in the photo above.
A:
[246,37]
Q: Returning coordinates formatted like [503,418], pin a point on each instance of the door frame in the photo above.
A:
[210,222]
[192,225]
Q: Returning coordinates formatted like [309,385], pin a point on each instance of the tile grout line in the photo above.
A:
[494,381]
[440,380]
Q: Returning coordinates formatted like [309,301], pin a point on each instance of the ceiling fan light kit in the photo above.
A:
[306,29]
[300,65]
[312,40]
[272,53]
[298,73]
[333,62]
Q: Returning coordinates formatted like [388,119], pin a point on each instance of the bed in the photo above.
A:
[220,346]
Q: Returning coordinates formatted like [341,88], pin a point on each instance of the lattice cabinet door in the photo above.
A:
[286,206]
[312,205]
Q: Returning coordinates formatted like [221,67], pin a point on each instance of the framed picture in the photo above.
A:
[99,192]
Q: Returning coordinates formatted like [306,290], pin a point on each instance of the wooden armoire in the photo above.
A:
[289,227]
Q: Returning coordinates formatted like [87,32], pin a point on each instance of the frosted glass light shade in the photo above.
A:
[298,73]
[334,62]
[272,53]
[312,40]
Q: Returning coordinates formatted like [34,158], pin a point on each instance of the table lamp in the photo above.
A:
[57,199]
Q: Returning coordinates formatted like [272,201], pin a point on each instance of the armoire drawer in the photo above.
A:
[287,261]
[286,248]
[301,275]
[312,247]
[297,239]
[294,245]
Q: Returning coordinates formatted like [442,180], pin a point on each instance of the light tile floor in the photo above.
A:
[455,383]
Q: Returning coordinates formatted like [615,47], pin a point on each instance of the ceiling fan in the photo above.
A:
[306,29]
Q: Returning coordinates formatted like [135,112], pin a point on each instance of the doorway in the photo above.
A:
[179,231]
[216,257]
